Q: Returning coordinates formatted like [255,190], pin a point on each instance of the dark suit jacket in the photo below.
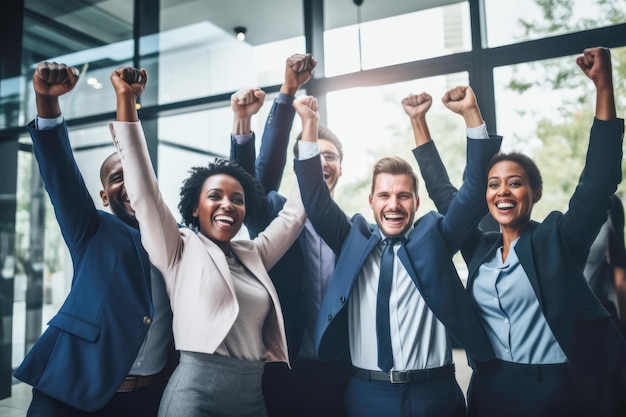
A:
[288,274]
[427,255]
[553,253]
[91,343]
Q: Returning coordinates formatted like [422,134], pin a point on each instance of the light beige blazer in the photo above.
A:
[197,276]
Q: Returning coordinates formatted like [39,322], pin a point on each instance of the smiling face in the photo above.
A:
[393,202]
[114,193]
[221,209]
[331,163]
[510,196]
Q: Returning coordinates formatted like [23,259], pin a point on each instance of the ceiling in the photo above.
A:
[54,28]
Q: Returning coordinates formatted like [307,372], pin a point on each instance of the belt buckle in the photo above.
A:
[398,377]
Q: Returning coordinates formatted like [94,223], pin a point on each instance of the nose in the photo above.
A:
[393,202]
[227,204]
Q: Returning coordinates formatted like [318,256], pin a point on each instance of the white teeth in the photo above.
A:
[223,218]
[505,205]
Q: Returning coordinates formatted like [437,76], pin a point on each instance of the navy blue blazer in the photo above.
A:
[90,345]
[427,255]
[289,273]
[553,253]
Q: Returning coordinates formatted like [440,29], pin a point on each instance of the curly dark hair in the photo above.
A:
[256,204]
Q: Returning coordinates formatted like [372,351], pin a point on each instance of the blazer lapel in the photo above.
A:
[218,257]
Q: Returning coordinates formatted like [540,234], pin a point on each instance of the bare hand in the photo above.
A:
[306,107]
[596,64]
[247,102]
[298,70]
[416,105]
[460,99]
[54,80]
[129,81]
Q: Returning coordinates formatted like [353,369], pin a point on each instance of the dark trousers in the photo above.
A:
[309,389]
[509,389]
[142,402]
[434,398]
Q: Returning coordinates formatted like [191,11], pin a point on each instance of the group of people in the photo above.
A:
[320,313]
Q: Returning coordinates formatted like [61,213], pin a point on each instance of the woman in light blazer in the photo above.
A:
[227,319]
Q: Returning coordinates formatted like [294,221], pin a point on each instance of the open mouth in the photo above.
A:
[505,205]
[224,219]
[393,218]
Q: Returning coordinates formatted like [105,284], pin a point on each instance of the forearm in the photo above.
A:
[159,229]
[605,101]
[126,108]
[47,106]
[421,133]
[619,277]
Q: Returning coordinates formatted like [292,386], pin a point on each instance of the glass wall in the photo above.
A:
[517,55]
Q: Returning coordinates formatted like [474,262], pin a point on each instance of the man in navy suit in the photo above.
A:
[302,275]
[427,301]
[108,351]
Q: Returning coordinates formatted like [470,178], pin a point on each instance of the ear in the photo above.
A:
[370,198]
[105,198]
[417,203]
[340,171]
[195,212]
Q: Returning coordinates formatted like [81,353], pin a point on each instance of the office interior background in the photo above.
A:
[518,56]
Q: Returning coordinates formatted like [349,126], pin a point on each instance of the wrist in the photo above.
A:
[472,117]
[289,89]
[242,126]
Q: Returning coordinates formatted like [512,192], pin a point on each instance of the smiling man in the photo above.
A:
[395,296]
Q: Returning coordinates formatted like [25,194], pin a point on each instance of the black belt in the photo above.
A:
[131,383]
[403,377]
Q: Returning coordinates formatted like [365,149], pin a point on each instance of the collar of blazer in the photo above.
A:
[245,252]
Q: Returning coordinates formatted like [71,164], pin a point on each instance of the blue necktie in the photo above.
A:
[383,335]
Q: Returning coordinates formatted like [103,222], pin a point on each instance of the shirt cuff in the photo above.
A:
[479,132]
[307,150]
[44,123]
[243,139]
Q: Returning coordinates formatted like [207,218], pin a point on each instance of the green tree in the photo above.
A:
[563,135]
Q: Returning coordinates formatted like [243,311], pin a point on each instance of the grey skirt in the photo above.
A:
[213,385]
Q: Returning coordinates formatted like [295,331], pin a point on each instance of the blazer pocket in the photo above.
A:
[75,326]
[595,312]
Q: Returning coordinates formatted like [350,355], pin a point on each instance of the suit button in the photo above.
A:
[342,300]
[147,320]
[330,317]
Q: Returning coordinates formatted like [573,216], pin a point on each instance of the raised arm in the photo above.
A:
[596,64]
[603,165]
[468,206]
[270,163]
[245,103]
[435,175]
[73,206]
[159,229]
[327,218]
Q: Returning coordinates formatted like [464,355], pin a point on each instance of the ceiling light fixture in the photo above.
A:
[240,33]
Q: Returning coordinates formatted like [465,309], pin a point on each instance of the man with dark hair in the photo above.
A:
[108,351]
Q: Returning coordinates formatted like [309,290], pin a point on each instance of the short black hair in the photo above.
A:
[256,204]
[527,164]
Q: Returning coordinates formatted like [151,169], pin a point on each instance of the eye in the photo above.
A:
[214,196]
[238,200]
[492,185]
[515,184]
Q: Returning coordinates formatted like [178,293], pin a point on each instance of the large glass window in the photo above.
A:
[515,21]
[546,109]
[390,34]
